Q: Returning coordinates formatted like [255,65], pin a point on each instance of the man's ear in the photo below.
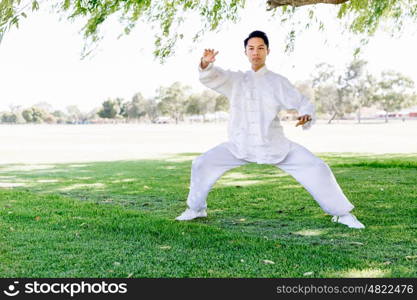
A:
[268,51]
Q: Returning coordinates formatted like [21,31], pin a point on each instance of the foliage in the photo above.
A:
[34,115]
[74,114]
[394,91]
[339,93]
[60,116]
[110,109]
[172,100]
[8,117]
[360,17]
[151,107]
[137,107]
[169,17]
[222,103]
[194,105]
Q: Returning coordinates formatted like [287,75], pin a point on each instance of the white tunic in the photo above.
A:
[255,132]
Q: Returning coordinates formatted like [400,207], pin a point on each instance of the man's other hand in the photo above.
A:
[303,119]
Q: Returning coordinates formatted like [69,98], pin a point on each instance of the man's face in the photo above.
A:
[256,51]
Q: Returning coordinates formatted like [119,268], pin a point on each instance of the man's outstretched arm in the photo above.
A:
[215,77]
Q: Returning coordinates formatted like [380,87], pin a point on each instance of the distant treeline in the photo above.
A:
[335,94]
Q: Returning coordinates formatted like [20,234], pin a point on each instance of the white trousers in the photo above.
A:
[309,170]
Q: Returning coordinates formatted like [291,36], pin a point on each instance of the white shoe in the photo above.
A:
[348,220]
[190,214]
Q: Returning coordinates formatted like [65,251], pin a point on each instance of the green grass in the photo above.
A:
[115,219]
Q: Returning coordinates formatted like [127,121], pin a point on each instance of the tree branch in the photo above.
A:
[276,3]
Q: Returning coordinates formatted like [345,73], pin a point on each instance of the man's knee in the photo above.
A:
[319,163]
[198,162]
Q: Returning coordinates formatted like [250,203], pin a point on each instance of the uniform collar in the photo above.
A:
[260,72]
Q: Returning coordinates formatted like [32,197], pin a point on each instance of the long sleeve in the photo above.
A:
[291,98]
[217,79]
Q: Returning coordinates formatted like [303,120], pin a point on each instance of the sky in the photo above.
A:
[41,62]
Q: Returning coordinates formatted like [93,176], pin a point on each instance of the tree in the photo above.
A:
[358,87]
[338,93]
[324,96]
[110,109]
[329,92]
[222,103]
[194,105]
[170,17]
[60,116]
[205,102]
[8,117]
[122,108]
[47,109]
[17,111]
[151,107]
[172,100]
[74,114]
[208,102]
[92,114]
[136,109]
[363,94]
[394,91]
[34,115]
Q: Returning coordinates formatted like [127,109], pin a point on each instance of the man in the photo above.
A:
[255,134]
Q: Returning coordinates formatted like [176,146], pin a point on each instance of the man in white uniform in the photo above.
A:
[255,134]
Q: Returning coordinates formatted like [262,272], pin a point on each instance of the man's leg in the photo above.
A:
[317,178]
[205,171]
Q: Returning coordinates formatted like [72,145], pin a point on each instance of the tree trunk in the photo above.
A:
[277,3]
[386,117]
[359,114]
[332,118]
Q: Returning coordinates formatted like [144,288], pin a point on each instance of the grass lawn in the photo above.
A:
[116,219]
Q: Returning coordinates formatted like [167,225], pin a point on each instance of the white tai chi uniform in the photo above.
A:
[256,135]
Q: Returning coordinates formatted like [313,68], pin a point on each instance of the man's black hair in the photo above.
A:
[258,34]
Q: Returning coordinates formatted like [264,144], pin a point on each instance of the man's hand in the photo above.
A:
[209,56]
[303,119]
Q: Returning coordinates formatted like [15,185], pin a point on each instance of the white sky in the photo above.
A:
[40,61]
